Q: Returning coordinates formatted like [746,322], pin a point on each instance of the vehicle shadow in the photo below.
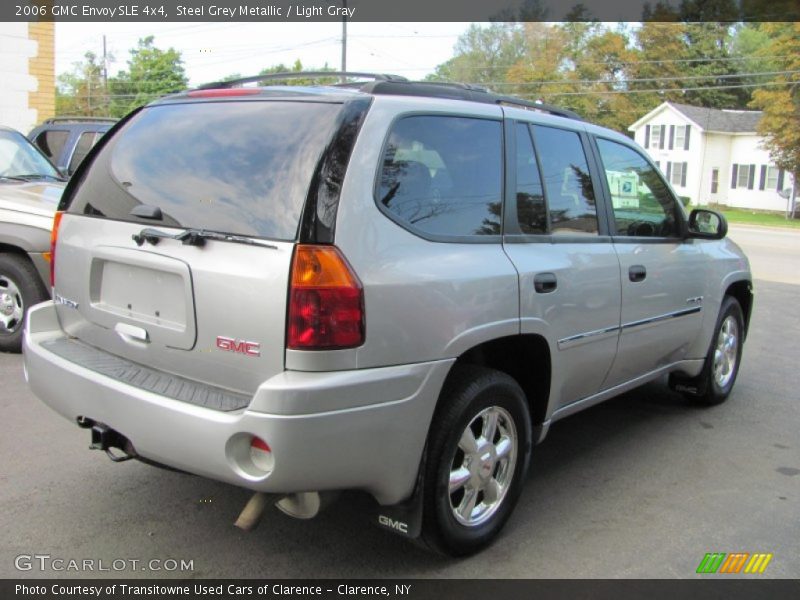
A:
[342,542]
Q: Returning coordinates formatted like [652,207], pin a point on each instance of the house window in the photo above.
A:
[743,177]
[678,174]
[655,136]
[714,181]
[680,136]
[772,178]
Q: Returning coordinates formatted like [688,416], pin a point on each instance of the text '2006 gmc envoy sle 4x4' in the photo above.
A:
[389,286]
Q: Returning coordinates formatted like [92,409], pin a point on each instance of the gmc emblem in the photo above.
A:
[392,524]
[239,346]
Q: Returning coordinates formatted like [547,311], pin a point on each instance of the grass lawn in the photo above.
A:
[749,217]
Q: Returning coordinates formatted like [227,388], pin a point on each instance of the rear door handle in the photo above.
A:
[544,283]
[637,273]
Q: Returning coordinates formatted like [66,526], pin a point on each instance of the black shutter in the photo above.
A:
[735,175]
[686,139]
[780,179]
[752,178]
[669,171]
[762,181]
[671,136]
[683,175]
[662,136]
[647,136]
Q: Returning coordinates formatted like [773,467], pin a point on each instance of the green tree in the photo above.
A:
[483,55]
[151,73]
[297,67]
[82,92]
[659,64]
[780,101]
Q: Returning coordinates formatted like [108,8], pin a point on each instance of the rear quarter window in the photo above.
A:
[235,167]
[441,176]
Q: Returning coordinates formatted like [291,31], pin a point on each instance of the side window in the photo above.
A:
[85,143]
[52,142]
[642,203]
[567,183]
[531,211]
[443,175]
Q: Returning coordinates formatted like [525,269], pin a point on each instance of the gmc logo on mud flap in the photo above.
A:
[239,346]
[392,524]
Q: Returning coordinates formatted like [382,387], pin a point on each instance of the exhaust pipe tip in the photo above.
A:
[302,505]
[252,512]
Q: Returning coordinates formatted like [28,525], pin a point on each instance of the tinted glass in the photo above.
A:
[567,183]
[531,211]
[52,143]
[643,205]
[443,175]
[236,167]
[85,143]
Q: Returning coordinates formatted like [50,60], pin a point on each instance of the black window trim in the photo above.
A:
[513,234]
[609,208]
[331,169]
[432,237]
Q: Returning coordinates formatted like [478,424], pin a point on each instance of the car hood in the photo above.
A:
[39,198]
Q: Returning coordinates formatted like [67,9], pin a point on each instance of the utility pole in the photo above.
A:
[344,42]
[105,75]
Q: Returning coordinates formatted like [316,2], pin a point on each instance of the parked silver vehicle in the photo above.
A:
[392,287]
[30,189]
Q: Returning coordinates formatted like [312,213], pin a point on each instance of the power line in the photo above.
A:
[678,89]
[638,80]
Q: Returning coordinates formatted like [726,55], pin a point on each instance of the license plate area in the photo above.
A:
[147,290]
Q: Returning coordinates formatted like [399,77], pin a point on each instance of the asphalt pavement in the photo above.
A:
[642,486]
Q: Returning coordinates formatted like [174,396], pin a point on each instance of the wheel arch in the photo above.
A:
[526,358]
[743,292]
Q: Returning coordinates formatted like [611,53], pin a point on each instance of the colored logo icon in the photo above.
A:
[734,563]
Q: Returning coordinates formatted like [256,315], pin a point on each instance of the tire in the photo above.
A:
[716,380]
[480,469]
[20,288]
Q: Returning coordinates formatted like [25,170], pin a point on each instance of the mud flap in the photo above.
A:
[405,518]
[695,386]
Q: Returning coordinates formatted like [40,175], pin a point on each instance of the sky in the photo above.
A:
[213,50]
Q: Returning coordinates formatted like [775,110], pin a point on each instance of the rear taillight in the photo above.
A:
[326,301]
[52,253]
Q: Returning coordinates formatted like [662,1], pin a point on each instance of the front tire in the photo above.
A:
[20,288]
[478,454]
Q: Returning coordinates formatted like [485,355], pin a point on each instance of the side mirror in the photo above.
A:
[707,224]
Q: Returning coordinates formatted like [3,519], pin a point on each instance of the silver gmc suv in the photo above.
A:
[390,286]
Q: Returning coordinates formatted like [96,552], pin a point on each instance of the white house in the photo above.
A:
[713,156]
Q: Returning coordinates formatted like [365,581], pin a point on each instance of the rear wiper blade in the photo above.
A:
[194,237]
[12,178]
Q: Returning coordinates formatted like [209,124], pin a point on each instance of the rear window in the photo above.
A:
[236,167]
[51,142]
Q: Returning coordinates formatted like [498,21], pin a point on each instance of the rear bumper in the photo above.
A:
[362,429]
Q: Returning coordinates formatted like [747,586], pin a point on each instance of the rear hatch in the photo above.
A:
[176,246]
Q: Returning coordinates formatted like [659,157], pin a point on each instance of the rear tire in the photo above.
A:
[20,288]
[715,382]
[478,454]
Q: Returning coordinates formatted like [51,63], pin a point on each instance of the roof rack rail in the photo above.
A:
[80,119]
[460,91]
[536,105]
[299,75]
